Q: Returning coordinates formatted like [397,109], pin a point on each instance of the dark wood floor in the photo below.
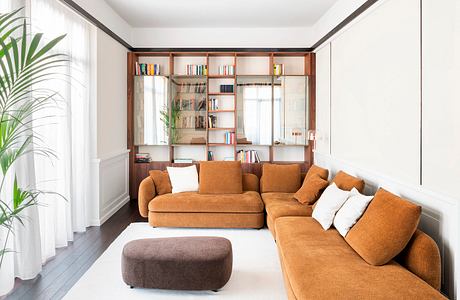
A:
[70,263]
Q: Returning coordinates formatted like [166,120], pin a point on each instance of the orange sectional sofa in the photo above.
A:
[316,263]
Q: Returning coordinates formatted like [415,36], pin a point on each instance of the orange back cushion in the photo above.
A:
[221,177]
[161,181]
[280,178]
[347,182]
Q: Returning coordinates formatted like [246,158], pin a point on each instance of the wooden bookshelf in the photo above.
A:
[244,64]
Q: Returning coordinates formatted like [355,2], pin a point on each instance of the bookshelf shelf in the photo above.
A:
[221,94]
[221,111]
[221,76]
[219,144]
[221,128]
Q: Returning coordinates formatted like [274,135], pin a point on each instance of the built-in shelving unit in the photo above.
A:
[198,137]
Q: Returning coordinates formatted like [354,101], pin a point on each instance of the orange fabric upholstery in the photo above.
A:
[221,177]
[247,202]
[162,182]
[145,195]
[421,256]
[311,189]
[316,170]
[280,178]
[347,182]
[319,264]
[385,228]
[206,220]
[279,205]
[250,182]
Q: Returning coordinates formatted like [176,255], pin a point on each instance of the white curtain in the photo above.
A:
[51,225]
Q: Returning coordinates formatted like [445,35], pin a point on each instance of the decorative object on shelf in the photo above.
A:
[143,158]
[312,135]
[226,88]
[147,69]
[278,69]
[227,70]
[198,141]
[296,132]
[196,70]
[248,156]
[210,156]
[230,138]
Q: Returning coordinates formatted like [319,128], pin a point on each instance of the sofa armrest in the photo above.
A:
[146,194]
[421,256]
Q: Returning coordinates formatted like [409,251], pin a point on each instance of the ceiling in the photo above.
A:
[221,13]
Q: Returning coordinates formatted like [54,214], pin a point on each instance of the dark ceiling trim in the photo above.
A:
[77,8]
[221,49]
[345,22]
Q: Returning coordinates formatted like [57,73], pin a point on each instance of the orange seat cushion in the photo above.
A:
[161,181]
[280,178]
[221,177]
[385,228]
[247,202]
[311,189]
[347,182]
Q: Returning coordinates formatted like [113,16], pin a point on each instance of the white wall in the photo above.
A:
[391,113]
[109,117]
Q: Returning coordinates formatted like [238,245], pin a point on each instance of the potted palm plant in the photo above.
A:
[26,62]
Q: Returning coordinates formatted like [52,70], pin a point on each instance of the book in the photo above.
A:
[226,88]
[227,70]
[278,69]
[248,156]
[196,70]
[147,69]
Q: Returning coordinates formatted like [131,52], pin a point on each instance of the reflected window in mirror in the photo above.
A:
[254,105]
[290,115]
[151,110]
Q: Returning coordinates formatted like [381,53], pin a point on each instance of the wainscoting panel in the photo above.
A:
[439,213]
[111,179]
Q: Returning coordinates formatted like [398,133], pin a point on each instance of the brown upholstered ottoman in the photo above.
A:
[178,263]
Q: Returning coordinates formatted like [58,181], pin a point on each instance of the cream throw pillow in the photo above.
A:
[328,204]
[183,179]
[351,211]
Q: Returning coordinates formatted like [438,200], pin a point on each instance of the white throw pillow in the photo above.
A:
[183,179]
[328,204]
[351,211]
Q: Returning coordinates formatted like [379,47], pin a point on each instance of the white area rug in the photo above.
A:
[256,269]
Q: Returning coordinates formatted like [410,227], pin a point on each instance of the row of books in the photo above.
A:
[143,157]
[212,121]
[226,88]
[229,138]
[191,122]
[192,88]
[278,69]
[196,70]
[186,104]
[227,70]
[248,156]
[213,104]
[147,69]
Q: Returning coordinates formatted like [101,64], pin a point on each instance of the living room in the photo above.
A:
[229,149]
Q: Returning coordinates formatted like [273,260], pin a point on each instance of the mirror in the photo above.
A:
[254,110]
[290,110]
[150,110]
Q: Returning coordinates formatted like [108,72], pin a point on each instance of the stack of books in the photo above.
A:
[212,121]
[196,70]
[147,69]
[213,104]
[229,138]
[227,70]
[143,158]
[248,156]
[226,88]
[278,69]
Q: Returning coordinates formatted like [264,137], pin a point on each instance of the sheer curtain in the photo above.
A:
[51,225]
